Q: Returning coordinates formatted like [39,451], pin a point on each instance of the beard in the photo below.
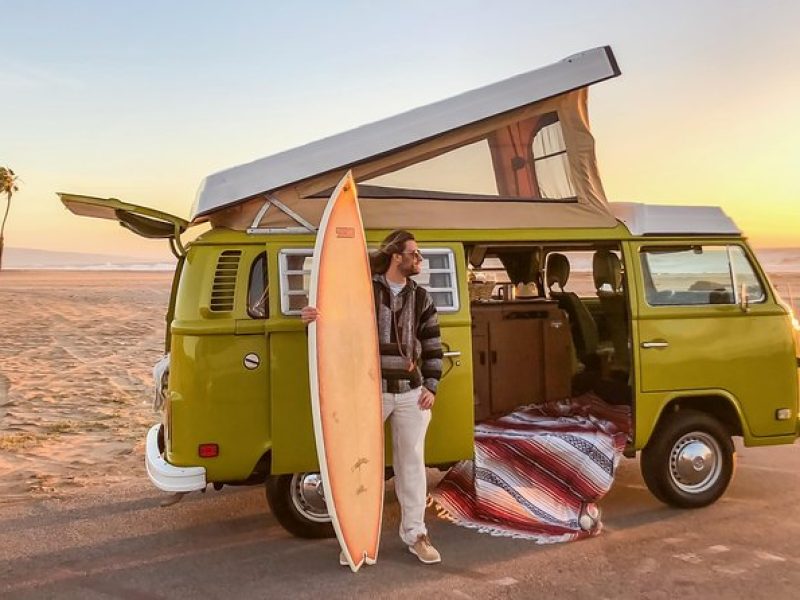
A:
[410,269]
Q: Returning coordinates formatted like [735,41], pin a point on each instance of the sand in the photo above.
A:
[76,357]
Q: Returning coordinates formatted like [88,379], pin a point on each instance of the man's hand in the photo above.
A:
[426,399]
[309,314]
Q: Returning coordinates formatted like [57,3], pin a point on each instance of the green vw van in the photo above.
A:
[545,290]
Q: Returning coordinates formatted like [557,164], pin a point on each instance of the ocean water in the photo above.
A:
[107,266]
[117,267]
[773,260]
[779,260]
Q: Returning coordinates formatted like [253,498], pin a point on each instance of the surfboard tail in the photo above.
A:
[366,558]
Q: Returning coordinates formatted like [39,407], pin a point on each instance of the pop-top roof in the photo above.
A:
[233,186]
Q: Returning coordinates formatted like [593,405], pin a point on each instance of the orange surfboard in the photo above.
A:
[345,378]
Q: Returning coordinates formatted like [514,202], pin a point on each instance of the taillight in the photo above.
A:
[208,450]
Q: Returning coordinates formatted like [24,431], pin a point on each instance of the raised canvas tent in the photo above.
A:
[515,154]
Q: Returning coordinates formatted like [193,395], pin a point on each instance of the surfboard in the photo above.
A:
[345,378]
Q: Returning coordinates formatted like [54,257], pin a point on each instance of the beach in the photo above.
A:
[76,355]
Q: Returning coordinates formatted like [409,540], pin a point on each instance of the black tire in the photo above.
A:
[303,516]
[689,460]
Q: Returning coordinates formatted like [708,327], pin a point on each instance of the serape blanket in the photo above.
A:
[538,471]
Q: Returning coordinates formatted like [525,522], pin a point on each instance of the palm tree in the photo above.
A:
[8,186]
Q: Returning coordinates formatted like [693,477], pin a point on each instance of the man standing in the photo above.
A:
[411,366]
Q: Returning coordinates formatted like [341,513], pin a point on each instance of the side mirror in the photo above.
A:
[744,301]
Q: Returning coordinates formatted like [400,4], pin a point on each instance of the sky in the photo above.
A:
[141,100]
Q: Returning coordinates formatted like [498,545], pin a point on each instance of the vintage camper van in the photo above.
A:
[544,289]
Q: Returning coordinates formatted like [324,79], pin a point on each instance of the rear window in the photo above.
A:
[258,289]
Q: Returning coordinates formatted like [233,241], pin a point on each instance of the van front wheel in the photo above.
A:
[689,461]
[298,503]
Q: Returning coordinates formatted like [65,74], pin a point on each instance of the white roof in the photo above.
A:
[243,182]
[644,219]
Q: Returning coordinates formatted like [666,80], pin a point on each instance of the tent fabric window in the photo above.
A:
[463,170]
[550,161]
[523,160]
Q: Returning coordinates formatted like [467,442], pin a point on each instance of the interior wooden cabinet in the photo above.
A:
[521,355]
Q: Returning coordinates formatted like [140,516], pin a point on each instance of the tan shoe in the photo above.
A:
[424,551]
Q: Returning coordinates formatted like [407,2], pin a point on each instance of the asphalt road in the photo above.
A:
[118,543]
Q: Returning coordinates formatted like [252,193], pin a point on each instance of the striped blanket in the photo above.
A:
[538,471]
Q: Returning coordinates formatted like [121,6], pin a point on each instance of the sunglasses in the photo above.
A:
[416,254]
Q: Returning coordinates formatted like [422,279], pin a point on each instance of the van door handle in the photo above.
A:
[452,354]
[655,344]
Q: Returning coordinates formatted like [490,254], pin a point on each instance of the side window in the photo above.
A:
[438,276]
[295,269]
[745,275]
[258,289]
[688,275]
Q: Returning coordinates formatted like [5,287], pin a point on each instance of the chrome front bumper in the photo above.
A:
[167,477]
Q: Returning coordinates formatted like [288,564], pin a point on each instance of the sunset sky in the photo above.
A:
[141,100]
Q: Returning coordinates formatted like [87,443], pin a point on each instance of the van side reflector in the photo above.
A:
[208,450]
[783,414]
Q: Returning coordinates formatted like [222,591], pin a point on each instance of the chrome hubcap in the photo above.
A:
[694,463]
[308,497]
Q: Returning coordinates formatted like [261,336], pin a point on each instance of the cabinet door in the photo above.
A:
[480,370]
[515,355]
[557,353]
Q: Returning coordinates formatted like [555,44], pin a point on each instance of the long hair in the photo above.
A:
[394,243]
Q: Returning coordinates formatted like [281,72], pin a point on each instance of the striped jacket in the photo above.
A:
[411,316]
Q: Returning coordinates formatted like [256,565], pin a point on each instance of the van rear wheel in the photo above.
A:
[298,503]
[689,461]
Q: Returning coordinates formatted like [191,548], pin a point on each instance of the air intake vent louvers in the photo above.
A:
[223,291]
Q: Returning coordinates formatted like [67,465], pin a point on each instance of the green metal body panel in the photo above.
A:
[213,398]
[748,359]
[716,350]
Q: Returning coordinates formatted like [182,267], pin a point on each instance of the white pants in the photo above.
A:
[409,424]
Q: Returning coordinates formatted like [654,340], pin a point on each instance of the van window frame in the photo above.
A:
[286,291]
[261,256]
[727,247]
[284,273]
[451,270]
